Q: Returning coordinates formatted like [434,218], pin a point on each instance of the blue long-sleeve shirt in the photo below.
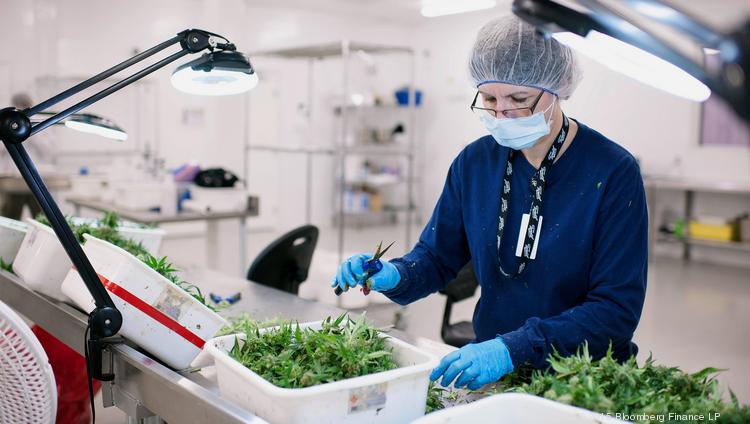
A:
[588,280]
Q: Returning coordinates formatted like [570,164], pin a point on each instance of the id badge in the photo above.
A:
[522,236]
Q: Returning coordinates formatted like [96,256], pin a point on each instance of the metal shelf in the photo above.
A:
[346,112]
[335,49]
[729,245]
[681,184]
[376,151]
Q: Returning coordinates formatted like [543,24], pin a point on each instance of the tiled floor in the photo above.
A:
[696,315]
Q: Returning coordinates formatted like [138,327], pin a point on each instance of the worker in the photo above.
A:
[551,213]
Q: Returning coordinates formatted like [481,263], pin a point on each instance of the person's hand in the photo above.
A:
[351,273]
[478,364]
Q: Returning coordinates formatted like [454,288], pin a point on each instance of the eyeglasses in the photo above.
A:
[520,112]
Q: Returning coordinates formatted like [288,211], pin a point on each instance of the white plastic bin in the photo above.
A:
[149,238]
[217,199]
[397,395]
[157,315]
[516,408]
[139,195]
[87,186]
[41,261]
[12,233]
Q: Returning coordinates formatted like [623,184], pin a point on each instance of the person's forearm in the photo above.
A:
[422,274]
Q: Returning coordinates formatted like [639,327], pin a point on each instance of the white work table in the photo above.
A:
[10,184]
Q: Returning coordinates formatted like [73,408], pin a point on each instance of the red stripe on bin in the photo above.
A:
[152,312]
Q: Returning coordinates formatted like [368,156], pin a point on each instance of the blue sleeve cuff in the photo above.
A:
[397,294]
[521,351]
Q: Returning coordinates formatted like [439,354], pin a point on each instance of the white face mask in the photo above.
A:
[518,133]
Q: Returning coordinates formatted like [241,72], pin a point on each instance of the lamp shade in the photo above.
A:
[88,123]
[216,74]
[636,63]
[93,124]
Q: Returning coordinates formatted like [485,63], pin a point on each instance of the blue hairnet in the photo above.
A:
[511,51]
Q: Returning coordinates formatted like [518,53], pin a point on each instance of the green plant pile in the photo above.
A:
[610,387]
[6,266]
[439,397]
[243,323]
[106,230]
[291,357]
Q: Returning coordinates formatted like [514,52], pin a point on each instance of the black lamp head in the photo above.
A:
[217,73]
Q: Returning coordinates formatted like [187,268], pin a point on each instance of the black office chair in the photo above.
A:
[284,264]
[462,287]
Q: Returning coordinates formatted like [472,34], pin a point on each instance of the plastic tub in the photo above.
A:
[139,196]
[217,199]
[12,233]
[397,395]
[87,186]
[516,408]
[402,97]
[149,238]
[41,261]
[157,315]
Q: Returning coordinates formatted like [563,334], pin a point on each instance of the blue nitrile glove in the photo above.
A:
[351,274]
[478,364]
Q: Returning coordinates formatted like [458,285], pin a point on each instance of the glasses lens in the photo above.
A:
[517,113]
[480,111]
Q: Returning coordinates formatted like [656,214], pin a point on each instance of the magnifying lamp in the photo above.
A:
[216,74]
[622,43]
[222,69]
[92,124]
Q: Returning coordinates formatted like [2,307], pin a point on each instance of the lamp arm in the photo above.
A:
[101,76]
[15,127]
[106,92]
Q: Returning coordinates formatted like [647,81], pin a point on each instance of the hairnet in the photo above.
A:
[511,51]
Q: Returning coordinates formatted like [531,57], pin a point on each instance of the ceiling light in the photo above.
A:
[433,8]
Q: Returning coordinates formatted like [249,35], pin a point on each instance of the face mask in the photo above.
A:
[518,133]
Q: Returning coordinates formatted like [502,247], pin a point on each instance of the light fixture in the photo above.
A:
[621,42]
[434,8]
[93,124]
[88,123]
[635,63]
[216,74]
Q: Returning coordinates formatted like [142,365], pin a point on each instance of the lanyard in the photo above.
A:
[538,183]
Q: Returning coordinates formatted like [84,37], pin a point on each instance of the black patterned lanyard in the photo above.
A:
[538,183]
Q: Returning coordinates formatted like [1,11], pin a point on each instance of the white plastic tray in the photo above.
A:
[516,408]
[12,233]
[149,238]
[41,261]
[157,315]
[397,395]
